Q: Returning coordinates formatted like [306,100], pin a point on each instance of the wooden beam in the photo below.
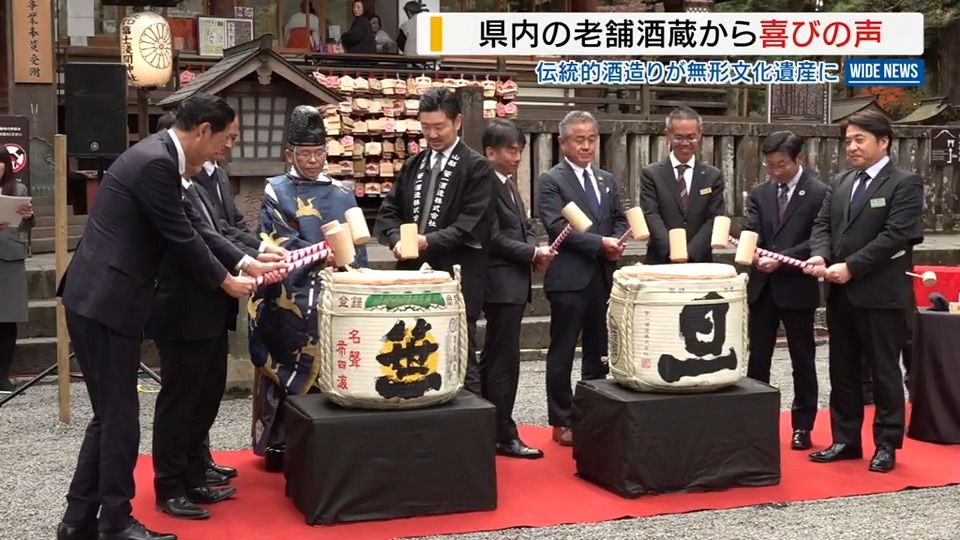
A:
[60,249]
[474,124]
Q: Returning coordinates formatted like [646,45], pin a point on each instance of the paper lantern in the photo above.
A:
[146,49]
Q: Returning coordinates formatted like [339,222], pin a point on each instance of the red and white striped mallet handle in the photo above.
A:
[304,252]
[299,263]
[776,256]
[567,229]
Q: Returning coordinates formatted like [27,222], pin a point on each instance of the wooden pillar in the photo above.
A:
[471,107]
[60,261]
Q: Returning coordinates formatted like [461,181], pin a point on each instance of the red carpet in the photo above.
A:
[546,492]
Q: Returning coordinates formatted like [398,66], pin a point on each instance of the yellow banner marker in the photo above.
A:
[436,34]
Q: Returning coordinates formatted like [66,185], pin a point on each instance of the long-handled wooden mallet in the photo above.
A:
[746,245]
[576,220]
[638,226]
[928,278]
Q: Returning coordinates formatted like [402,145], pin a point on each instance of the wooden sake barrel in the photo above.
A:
[391,339]
[678,327]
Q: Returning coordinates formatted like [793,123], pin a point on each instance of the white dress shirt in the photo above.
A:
[578,171]
[687,174]
[872,172]
[791,185]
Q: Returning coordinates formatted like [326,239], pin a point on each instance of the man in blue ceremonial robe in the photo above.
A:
[284,340]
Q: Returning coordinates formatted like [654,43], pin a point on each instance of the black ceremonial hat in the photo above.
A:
[306,127]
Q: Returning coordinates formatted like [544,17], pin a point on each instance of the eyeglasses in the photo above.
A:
[305,155]
[685,138]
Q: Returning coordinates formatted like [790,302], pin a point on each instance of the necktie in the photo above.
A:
[513,190]
[588,187]
[782,200]
[861,188]
[431,189]
[684,196]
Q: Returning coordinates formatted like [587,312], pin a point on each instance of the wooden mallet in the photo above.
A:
[746,245]
[638,226]
[576,220]
[928,278]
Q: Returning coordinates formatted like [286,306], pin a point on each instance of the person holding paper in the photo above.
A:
[579,279]
[681,192]
[284,336]
[13,272]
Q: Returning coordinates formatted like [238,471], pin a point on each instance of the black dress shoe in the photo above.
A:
[209,495]
[883,459]
[229,472]
[801,440]
[86,530]
[517,449]
[215,479]
[181,507]
[136,531]
[837,452]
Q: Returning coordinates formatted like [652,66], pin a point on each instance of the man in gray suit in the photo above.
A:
[681,192]
[579,279]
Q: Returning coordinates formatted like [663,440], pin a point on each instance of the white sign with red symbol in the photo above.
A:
[18,156]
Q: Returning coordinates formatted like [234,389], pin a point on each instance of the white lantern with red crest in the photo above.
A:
[146,49]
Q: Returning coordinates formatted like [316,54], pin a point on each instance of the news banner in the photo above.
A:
[876,48]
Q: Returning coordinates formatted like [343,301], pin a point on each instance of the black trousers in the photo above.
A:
[103,479]
[8,343]
[573,312]
[472,380]
[194,377]
[765,318]
[500,364]
[878,336]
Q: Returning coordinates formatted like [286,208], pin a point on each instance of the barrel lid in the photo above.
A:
[688,271]
[391,277]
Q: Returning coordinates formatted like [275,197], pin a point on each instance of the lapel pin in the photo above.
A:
[802,193]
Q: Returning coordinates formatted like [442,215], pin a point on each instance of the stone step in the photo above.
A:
[48,220]
[33,355]
[41,284]
[41,233]
[42,322]
[46,245]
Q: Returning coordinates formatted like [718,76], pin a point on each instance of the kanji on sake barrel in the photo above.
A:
[678,327]
[392,339]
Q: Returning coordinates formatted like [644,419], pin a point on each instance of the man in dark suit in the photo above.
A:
[448,191]
[214,183]
[681,192]
[108,293]
[866,230]
[513,254]
[579,280]
[781,212]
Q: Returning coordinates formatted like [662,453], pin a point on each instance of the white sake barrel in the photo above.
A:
[391,339]
[678,327]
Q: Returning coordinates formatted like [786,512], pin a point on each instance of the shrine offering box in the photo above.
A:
[633,443]
[345,465]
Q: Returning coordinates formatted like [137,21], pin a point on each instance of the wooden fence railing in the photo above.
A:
[628,146]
